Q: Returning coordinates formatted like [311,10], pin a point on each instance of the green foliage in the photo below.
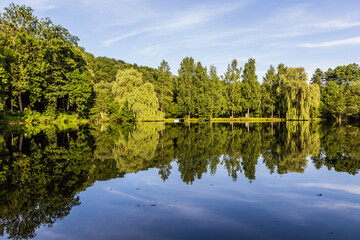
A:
[186,88]
[233,89]
[44,71]
[128,98]
[251,88]
[318,77]
[298,99]
[164,87]
[217,102]
[343,75]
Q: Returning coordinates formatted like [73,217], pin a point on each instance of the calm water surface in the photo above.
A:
[166,181]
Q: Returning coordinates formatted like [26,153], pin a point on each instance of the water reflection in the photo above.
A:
[43,168]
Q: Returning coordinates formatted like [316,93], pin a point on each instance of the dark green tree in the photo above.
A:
[251,88]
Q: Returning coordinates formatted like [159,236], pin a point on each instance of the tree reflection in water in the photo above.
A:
[44,168]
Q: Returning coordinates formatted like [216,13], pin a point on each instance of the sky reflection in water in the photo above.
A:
[288,181]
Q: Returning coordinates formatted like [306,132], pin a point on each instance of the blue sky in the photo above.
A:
[305,33]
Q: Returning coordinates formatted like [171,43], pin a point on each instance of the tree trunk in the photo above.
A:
[248,113]
[4,107]
[4,136]
[68,104]
[189,115]
[12,105]
[20,102]
[77,107]
[21,143]
[232,113]
[272,111]
[339,118]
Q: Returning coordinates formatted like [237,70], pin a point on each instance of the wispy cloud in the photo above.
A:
[354,189]
[196,41]
[181,20]
[341,42]
[336,24]
[39,5]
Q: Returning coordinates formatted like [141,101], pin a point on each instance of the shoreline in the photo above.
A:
[170,120]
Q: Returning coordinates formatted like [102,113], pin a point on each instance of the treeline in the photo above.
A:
[44,74]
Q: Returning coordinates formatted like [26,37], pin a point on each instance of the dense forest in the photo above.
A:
[45,75]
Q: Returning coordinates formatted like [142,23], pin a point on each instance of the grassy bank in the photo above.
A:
[32,117]
[35,118]
[248,120]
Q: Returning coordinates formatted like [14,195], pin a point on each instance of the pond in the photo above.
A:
[293,180]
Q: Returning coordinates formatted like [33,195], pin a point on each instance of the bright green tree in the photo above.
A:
[141,97]
[216,93]
[164,86]
[233,86]
[202,87]
[268,92]
[298,98]
[185,85]
[333,97]
[251,88]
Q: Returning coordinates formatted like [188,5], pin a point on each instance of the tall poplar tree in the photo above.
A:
[164,86]
[186,88]
[268,96]
[216,92]
[232,88]
[202,87]
[251,88]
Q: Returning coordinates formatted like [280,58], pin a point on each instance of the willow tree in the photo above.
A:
[298,98]
[129,88]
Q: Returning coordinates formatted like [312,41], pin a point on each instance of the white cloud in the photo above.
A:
[354,189]
[347,41]
[336,24]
